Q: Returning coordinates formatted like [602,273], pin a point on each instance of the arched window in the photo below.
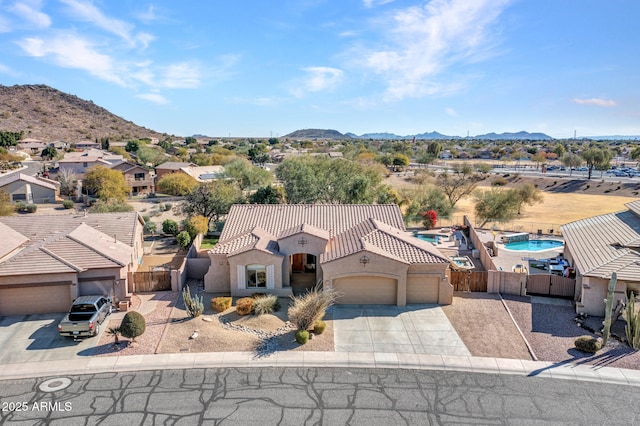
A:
[256,276]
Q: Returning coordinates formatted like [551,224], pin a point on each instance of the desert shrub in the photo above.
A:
[319,327]
[133,325]
[499,181]
[193,304]
[257,295]
[244,306]
[266,304]
[149,227]
[170,227]
[20,206]
[31,208]
[68,204]
[302,336]
[588,344]
[310,307]
[184,240]
[166,207]
[221,304]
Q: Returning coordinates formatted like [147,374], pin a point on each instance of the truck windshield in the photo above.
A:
[83,308]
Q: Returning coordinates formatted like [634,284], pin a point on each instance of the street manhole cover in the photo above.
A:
[53,385]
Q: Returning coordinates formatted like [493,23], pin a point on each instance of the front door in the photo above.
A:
[298,262]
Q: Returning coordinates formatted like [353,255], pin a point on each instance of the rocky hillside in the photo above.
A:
[316,134]
[44,113]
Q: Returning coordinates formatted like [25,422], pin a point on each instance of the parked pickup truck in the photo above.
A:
[85,316]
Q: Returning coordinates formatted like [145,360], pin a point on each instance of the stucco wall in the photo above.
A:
[255,257]
[217,279]
[39,194]
[594,291]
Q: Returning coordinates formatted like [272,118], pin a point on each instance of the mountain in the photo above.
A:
[514,136]
[613,138]
[44,113]
[317,134]
[435,135]
[381,136]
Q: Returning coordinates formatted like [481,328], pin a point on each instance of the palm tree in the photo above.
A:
[115,332]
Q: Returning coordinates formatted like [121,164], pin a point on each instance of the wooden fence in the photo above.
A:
[468,281]
[151,281]
[552,285]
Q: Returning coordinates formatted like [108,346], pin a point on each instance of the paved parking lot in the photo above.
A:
[31,338]
[419,329]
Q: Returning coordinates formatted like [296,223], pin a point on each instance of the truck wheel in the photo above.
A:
[97,331]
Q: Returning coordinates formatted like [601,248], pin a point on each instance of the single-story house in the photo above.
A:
[138,179]
[29,189]
[598,246]
[204,173]
[363,251]
[48,261]
[171,167]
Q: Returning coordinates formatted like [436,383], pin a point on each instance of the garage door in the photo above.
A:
[366,290]
[422,289]
[35,300]
[98,287]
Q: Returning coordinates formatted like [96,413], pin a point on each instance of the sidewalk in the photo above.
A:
[94,365]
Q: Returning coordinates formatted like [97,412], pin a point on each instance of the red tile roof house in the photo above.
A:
[47,261]
[363,251]
[598,246]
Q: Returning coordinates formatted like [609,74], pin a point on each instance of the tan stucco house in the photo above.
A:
[363,251]
[598,246]
[139,180]
[47,261]
[29,189]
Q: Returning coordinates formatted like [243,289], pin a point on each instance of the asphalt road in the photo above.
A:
[297,396]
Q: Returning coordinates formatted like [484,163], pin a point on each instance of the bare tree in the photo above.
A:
[68,181]
[458,183]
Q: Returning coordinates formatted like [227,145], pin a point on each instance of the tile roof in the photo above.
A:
[306,228]
[332,218]
[73,250]
[257,239]
[121,226]
[11,240]
[13,177]
[173,165]
[377,237]
[634,206]
[603,244]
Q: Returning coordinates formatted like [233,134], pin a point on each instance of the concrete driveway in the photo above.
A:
[420,329]
[35,338]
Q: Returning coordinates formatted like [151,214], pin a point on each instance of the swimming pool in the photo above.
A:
[534,245]
[430,238]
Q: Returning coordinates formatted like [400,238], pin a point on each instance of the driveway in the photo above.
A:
[35,338]
[420,329]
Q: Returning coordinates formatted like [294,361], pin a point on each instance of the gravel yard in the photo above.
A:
[551,331]
[485,327]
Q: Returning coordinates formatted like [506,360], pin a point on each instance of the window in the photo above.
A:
[85,164]
[18,197]
[139,176]
[256,276]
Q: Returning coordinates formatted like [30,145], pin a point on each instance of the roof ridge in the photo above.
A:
[82,243]
[60,259]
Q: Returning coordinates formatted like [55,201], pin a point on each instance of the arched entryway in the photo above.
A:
[303,272]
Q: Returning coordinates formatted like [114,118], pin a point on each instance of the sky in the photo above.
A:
[257,68]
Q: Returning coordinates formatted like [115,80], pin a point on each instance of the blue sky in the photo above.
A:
[258,68]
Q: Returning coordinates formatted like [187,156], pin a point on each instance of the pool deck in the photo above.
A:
[506,259]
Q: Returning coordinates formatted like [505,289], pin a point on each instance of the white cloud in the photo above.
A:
[6,70]
[182,75]
[71,51]
[318,79]
[596,101]
[156,98]
[423,41]
[372,3]
[29,11]
[452,112]
[148,15]
[86,11]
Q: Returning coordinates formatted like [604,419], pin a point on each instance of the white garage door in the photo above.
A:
[422,289]
[35,300]
[366,290]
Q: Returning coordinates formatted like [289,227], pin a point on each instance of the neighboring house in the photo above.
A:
[29,189]
[363,251]
[598,246]
[47,261]
[204,173]
[80,165]
[32,146]
[139,179]
[87,145]
[171,167]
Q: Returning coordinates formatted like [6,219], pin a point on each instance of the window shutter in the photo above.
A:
[242,277]
[271,276]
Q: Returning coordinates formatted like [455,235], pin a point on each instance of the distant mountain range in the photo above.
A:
[334,134]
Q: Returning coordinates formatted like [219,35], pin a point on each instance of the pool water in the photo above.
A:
[429,238]
[534,245]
